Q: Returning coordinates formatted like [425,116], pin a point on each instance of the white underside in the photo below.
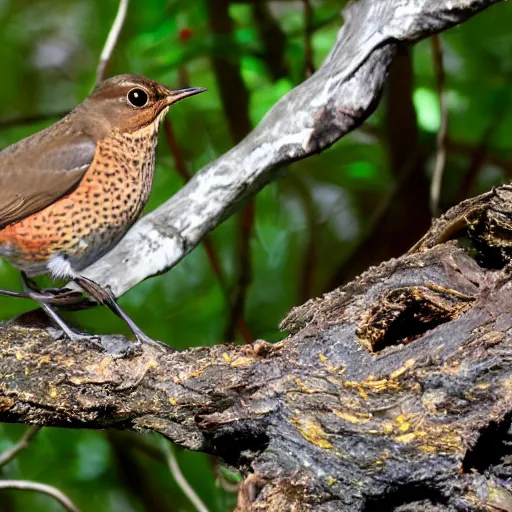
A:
[59,267]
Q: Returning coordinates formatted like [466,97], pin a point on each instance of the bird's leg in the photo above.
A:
[106,297]
[66,297]
[30,285]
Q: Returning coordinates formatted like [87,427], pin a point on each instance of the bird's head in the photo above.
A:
[131,102]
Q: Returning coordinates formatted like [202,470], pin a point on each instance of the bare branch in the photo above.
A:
[437,178]
[111,41]
[207,241]
[332,102]
[384,385]
[11,453]
[180,479]
[309,65]
[24,485]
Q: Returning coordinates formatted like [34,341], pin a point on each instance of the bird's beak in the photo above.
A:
[175,96]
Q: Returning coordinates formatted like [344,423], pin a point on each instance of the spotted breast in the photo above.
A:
[84,225]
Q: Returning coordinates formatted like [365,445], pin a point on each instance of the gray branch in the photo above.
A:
[314,115]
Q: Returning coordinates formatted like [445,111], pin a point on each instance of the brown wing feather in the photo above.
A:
[38,170]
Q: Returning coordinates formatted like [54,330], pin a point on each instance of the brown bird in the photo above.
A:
[69,193]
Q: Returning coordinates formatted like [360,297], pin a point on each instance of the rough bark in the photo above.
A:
[391,393]
[332,102]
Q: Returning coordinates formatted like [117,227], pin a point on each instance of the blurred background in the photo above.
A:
[324,221]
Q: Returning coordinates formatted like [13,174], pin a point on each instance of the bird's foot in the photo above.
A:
[145,339]
[77,337]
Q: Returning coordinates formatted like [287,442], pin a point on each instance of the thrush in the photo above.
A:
[69,193]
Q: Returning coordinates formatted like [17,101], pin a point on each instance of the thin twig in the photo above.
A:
[175,470]
[24,485]
[273,41]
[309,66]
[112,38]
[437,178]
[235,103]
[181,167]
[24,441]
[245,223]
[209,247]
[480,153]
[310,254]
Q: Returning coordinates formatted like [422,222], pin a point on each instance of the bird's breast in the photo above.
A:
[88,222]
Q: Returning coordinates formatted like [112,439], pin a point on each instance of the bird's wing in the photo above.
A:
[37,171]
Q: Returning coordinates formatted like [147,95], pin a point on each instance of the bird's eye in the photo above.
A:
[138,97]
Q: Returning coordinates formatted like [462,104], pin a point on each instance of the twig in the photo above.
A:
[175,470]
[235,102]
[310,253]
[480,153]
[244,274]
[272,39]
[112,38]
[24,485]
[309,66]
[126,450]
[209,247]
[437,178]
[181,167]
[464,148]
[24,441]
[408,196]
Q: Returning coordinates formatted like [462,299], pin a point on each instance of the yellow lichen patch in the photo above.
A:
[413,427]
[356,418]
[330,367]
[53,393]
[226,357]
[387,427]
[152,365]
[404,427]
[312,431]
[241,361]
[331,480]
[173,400]
[400,371]
[307,389]
[452,369]
[373,385]
[406,438]
[403,423]
[77,380]
[427,448]
[44,360]
[104,364]
[27,371]
[19,356]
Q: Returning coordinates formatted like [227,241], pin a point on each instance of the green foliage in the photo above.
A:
[308,223]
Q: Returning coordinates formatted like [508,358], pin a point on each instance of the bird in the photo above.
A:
[70,192]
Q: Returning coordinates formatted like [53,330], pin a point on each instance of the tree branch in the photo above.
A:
[24,485]
[437,176]
[11,453]
[111,41]
[391,391]
[314,115]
